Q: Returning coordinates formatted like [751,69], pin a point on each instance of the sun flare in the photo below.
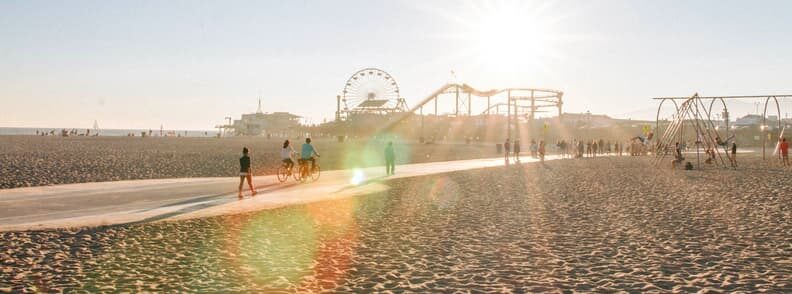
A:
[509,37]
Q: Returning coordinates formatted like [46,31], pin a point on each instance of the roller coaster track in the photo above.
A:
[555,96]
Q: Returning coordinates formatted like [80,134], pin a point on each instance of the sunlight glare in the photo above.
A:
[358,177]
[506,37]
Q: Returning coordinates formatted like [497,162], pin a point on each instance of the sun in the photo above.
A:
[504,37]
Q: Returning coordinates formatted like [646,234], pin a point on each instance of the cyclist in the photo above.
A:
[307,153]
[286,155]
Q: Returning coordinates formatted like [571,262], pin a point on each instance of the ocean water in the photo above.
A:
[110,132]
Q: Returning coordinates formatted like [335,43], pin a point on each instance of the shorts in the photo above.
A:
[243,174]
[287,160]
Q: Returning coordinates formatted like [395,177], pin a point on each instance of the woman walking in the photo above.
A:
[245,172]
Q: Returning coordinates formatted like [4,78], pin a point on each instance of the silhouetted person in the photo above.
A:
[516,150]
[390,159]
[734,154]
[507,149]
[677,155]
[783,148]
[594,148]
[601,145]
[245,172]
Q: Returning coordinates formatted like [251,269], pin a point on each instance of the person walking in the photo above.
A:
[506,149]
[594,148]
[734,154]
[245,172]
[541,150]
[390,159]
[783,148]
[517,150]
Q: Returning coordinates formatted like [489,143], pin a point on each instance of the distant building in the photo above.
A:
[260,123]
[753,120]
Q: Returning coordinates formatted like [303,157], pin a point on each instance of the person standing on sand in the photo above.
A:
[506,149]
[783,147]
[541,150]
[245,172]
[390,159]
[734,154]
[516,150]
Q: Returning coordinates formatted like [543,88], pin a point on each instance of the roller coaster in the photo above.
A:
[372,92]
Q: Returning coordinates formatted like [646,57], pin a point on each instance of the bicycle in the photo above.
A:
[284,172]
[306,172]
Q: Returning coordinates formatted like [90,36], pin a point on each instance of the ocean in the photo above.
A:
[110,132]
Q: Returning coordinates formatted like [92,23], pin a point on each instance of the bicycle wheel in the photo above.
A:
[283,174]
[315,173]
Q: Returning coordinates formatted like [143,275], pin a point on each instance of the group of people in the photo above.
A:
[65,133]
[308,153]
[567,149]
[537,149]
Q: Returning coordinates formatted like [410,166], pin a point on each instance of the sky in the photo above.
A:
[189,64]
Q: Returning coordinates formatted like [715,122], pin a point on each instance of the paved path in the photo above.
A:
[107,203]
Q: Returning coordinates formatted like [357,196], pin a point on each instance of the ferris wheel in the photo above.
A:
[372,90]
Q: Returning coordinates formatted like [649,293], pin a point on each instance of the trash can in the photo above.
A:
[499,148]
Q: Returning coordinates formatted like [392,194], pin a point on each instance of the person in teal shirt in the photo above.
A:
[307,153]
[390,159]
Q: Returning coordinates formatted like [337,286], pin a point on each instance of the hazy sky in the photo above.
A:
[139,64]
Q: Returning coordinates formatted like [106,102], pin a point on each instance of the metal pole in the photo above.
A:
[516,122]
[469,104]
[533,109]
[422,122]
[338,107]
[488,105]
[435,108]
[508,115]
[456,105]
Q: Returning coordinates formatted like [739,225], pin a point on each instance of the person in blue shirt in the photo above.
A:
[390,159]
[307,153]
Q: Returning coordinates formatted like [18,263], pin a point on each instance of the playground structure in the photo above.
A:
[695,114]
[698,104]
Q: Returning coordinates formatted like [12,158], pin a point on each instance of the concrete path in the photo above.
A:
[108,203]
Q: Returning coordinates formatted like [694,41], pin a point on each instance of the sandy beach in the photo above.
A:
[39,161]
[604,224]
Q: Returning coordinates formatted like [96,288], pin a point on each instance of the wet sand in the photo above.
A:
[604,224]
[29,161]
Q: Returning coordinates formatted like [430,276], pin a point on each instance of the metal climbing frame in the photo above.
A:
[695,113]
[722,99]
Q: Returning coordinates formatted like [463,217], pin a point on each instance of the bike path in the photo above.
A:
[120,202]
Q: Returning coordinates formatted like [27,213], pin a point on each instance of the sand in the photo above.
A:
[604,224]
[29,161]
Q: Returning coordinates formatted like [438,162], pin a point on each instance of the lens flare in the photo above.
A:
[358,177]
